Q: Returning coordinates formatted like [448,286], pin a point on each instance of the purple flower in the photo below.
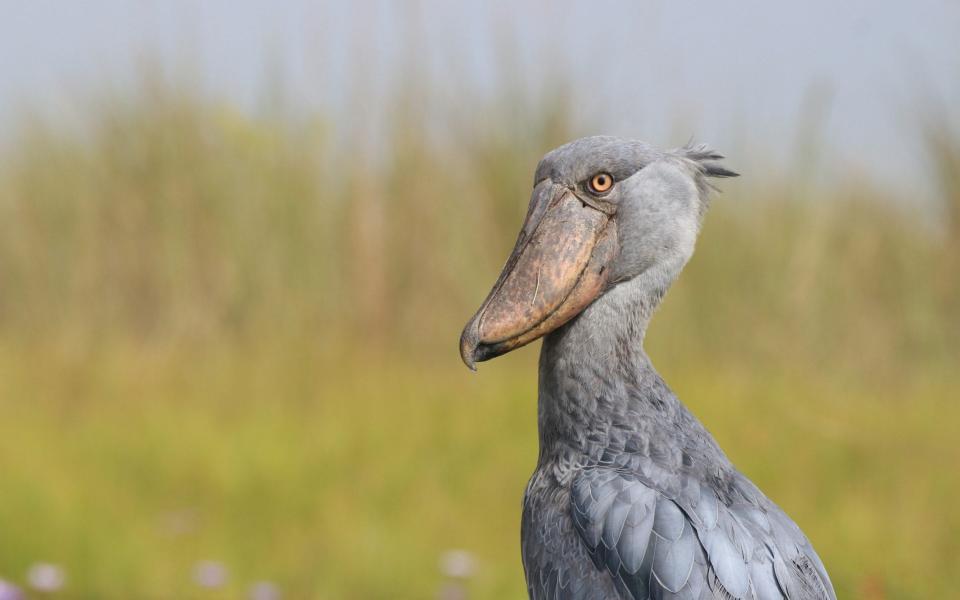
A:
[264,590]
[210,574]
[458,564]
[8,591]
[45,577]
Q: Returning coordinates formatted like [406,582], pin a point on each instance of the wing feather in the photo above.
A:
[689,544]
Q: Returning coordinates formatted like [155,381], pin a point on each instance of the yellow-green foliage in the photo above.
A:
[235,339]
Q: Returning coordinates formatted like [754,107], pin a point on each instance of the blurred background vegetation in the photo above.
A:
[232,337]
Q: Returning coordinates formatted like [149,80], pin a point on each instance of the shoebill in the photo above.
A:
[632,497]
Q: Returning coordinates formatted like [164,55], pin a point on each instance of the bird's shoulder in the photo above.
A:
[667,534]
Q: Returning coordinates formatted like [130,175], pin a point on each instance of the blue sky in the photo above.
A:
[735,73]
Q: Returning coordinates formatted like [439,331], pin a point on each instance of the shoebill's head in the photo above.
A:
[603,211]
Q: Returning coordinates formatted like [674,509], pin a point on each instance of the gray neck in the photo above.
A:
[596,382]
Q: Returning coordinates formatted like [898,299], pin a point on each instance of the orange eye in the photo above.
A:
[601,183]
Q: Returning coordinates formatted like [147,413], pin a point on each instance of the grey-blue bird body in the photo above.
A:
[632,497]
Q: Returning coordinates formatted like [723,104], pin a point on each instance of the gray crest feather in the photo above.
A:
[707,159]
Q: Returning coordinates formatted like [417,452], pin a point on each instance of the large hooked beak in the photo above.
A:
[559,265]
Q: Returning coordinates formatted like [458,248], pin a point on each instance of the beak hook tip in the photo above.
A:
[469,340]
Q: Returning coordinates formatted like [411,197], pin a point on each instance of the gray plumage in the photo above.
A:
[632,498]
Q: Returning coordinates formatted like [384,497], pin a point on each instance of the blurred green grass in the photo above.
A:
[233,338]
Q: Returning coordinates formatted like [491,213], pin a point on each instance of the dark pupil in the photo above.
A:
[601,181]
